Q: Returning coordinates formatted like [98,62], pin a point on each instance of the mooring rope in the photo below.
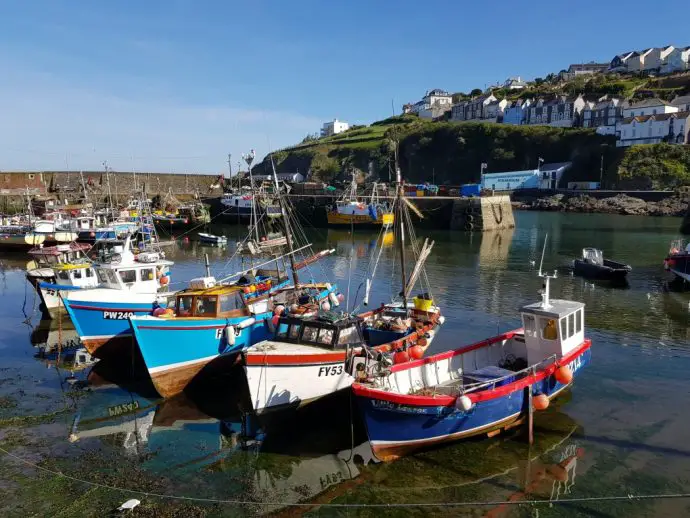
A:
[390,505]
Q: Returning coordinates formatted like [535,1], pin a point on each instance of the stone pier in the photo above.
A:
[481,214]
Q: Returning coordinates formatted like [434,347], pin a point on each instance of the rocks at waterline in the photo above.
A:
[619,204]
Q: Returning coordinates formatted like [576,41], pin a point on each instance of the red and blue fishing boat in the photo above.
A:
[481,388]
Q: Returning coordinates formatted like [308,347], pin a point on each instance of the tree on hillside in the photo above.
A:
[476,92]
[538,81]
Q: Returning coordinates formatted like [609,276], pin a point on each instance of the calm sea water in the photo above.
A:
[621,431]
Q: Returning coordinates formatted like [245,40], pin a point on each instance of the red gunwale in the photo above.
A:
[97,308]
[485,395]
[293,359]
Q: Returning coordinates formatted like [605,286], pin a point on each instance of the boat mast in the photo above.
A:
[249,158]
[286,224]
[401,226]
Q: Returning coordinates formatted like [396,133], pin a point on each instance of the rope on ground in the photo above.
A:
[397,505]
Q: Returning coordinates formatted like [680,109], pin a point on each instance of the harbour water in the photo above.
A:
[620,431]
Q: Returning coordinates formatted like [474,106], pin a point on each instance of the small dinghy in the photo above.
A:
[594,266]
[212,240]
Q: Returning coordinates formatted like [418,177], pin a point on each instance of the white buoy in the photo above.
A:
[441,320]
[230,335]
[129,505]
[463,403]
[334,300]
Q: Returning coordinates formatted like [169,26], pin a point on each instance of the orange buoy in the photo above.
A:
[164,280]
[401,357]
[385,348]
[563,375]
[158,312]
[416,352]
[540,402]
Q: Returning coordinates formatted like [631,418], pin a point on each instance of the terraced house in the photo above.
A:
[652,121]
[604,114]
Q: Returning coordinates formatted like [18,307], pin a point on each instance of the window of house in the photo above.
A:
[231,302]
[128,276]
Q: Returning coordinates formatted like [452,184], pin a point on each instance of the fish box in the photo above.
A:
[202,283]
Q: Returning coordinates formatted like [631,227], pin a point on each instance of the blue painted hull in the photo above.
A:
[395,429]
[175,350]
[104,326]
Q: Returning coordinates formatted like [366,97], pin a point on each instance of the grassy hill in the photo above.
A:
[452,153]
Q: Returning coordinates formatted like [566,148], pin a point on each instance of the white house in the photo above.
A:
[434,103]
[682,103]
[514,83]
[636,62]
[579,69]
[334,127]
[649,107]
[546,177]
[620,62]
[493,111]
[656,57]
[678,60]
[653,129]
[438,96]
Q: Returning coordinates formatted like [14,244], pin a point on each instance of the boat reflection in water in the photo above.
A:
[204,440]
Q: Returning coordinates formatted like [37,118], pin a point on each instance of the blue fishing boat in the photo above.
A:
[481,388]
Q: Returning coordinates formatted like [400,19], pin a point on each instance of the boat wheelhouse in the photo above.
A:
[350,211]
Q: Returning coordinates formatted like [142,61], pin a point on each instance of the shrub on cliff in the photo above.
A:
[661,166]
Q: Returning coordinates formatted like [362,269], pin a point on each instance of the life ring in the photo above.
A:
[469,218]
[469,225]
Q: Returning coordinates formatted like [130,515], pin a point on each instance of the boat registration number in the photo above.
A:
[117,315]
[335,370]
[124,408]
[575,364]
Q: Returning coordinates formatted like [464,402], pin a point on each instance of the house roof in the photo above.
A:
[625,55]
[555,166]
[649,103]
[685,99]
[657,117]
[588,66]
[437,91]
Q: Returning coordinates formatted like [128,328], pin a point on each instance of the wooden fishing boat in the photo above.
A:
[349,211]
[594,266]
[19,238]
[480,388]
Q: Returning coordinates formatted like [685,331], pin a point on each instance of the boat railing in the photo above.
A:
[529,370]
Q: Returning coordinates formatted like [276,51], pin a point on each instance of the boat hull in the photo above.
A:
[176,350]
[399,424]
[679,265]
[336,219]
[103,326]
[283,382]
[612,272]
[21,241]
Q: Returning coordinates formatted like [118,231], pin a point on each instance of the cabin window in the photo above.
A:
[348,335]
[231,302]
[112,278]
[571,325]
[184,305]
[76,274]
[63,275]
[206,305]
[530,325]
[310,333]
[325,336]
[146,274]
[294,332]
[89,272]
[549,330]
[102,277]
[578,321]
[564,328]
[128,276]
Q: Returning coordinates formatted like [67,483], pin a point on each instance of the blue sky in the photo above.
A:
[178,84]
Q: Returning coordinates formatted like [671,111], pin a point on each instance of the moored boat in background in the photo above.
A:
[678,260]
[592,265]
